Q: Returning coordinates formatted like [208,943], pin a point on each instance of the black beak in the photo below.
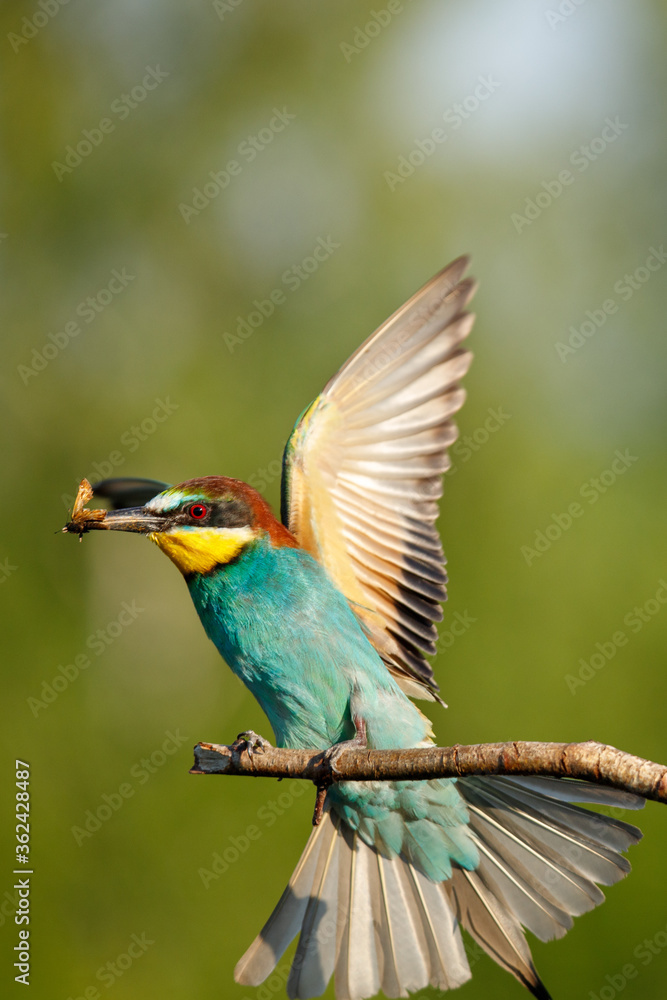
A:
[129,519]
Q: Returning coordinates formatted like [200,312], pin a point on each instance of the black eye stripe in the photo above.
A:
[228,512]
[231,513]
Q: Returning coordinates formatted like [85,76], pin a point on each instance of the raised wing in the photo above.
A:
[362,473]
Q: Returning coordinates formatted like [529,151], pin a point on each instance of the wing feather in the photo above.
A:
[362,472]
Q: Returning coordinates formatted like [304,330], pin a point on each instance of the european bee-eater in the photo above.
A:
[327,616]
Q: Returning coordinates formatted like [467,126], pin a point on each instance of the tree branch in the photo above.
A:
[591,761]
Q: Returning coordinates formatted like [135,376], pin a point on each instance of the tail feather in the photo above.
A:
[391,984]
[534,907]
[574,790]
[448,962]
[378,922]
[491,924]
[541,866]
[584,843]
[286,921]
[408,949]
[601,830]
[314,961]
[360,960]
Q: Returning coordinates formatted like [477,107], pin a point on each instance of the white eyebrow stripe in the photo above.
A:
[164,502]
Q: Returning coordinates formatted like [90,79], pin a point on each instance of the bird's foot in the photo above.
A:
[358,742]
[250,742]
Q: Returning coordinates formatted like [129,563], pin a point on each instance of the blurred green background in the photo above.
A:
[113,114]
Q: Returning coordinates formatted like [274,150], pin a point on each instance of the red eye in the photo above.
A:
[198,511]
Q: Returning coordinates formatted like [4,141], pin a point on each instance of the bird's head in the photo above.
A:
[201,524]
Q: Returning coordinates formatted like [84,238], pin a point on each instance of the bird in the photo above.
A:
[328,615]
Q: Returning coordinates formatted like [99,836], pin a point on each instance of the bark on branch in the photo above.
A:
[590,761]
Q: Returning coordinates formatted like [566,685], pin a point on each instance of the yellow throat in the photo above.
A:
[199,550]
